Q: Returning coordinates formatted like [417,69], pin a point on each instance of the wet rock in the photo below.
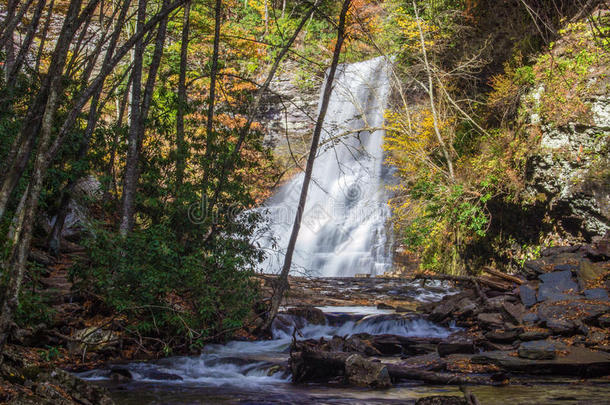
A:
[596,294]
[161,376]
[311,314]
[503,336]
[365,373]
[527,295]
[490,320]
[533,268]
[535,335]
[120,375]
[382,305]
[427,362]
[455,347]
[581,362]
[443,310]
[565,267]
[441,400]
[555,285]
[537,350]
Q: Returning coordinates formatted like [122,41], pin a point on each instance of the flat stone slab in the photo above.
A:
[555,284]
[538,350]
[579,362]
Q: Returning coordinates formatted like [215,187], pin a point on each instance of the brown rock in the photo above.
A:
[365,373]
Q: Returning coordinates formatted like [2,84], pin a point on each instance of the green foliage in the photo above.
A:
[166,289]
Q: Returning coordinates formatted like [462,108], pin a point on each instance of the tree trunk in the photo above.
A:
[129,179]
[137,134]
[27,43]
[282,282]
[430,91]
[182,101]
[250,118]
[210,136]
[43,36]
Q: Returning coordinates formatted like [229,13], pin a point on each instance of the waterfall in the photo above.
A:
[344,228]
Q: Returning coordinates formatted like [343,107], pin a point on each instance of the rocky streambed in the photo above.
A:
[541,338]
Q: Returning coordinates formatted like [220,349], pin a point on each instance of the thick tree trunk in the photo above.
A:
[282,282]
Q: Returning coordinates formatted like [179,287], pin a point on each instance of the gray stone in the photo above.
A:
[579,361]
[513,312]
[527,295]
[556,286]
[503,336]
[597,294]
[537,350]
[596,337]
[490,320]
[559,281]
[530,317]
[561,326]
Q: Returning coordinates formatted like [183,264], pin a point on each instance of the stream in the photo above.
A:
[255,372]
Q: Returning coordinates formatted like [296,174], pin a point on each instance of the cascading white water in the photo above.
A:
[343,232]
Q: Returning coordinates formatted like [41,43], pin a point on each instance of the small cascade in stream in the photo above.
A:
[344,227]
[253,364]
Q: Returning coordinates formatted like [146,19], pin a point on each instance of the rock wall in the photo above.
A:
[289,111]
[571,172]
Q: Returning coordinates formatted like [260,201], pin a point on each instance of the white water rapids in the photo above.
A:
[343,232]
[250,364]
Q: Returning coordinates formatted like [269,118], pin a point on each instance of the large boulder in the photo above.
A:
[366,373]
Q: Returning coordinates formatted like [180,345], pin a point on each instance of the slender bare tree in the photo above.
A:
[281,284]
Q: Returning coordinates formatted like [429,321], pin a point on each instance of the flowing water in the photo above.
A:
[344,225]
[256,373]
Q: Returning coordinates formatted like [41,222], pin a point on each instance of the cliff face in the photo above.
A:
[570,172]
[288,113]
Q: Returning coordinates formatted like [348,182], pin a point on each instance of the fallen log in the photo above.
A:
[501,275]
[494,284]
[316,366]
[398,372]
